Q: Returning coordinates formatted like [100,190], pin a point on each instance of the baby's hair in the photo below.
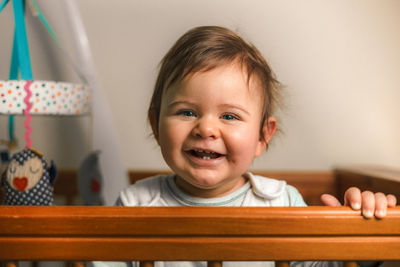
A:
[204,48]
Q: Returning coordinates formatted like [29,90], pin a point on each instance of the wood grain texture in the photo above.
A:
[187,233]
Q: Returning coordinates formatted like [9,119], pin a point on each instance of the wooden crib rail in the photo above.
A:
[196,233]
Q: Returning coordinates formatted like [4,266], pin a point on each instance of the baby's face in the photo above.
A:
[209,130]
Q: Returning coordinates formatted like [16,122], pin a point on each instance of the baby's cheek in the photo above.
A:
[241,145]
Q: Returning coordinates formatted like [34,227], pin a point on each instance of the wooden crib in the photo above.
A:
[148,234]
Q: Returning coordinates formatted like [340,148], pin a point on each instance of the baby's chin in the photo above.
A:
[207,188]
[204,184]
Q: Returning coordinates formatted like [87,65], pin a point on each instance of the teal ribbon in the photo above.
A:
[20,58]
[20,52]
[14,66]
[11,128]
[3,4]
[45,23]
[21,41]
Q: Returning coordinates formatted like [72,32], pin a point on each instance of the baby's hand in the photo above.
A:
[370,203]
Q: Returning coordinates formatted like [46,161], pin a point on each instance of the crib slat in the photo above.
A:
[214,264]
[146,264]
[350,264]
[282,264]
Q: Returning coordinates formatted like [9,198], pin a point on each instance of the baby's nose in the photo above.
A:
[206,128]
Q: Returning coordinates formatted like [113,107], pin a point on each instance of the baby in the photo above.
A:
[212,113]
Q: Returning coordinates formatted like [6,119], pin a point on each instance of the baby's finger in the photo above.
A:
[368,204]
[391,200]
[380,205]
[330,200]
[352,198]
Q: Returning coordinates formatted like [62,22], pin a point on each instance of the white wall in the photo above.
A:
[339,61]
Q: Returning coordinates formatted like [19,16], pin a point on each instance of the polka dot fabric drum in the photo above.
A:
[48,98]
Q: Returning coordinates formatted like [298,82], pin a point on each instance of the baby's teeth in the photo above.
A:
[207,158]
[203,151]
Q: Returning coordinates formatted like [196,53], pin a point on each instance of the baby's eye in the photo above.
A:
[229,117]
[187,113]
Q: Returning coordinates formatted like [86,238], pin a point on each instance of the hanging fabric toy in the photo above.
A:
[90,180]
[28,180]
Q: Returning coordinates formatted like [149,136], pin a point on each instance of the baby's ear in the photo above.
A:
[154,124]
[268,131]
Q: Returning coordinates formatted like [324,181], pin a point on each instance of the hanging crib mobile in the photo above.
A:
[22,95]
[29,97]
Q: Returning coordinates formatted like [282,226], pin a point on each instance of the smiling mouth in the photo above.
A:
[204,154]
